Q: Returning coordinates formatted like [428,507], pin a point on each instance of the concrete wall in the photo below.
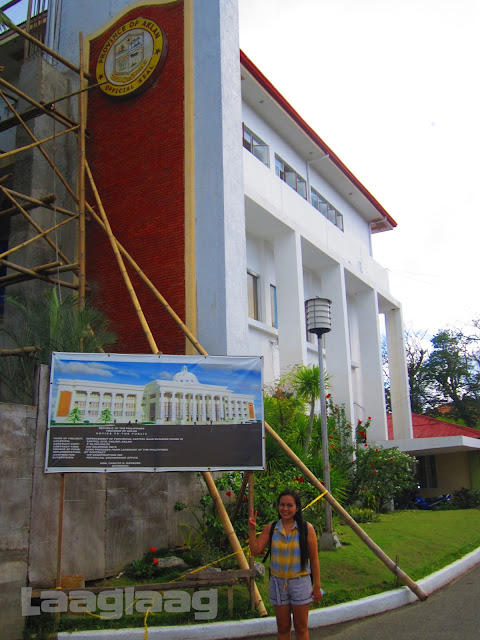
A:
[109,519]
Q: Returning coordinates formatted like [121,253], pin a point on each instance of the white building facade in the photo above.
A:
[278,219]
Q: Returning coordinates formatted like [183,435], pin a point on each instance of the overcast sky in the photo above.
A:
[392,86]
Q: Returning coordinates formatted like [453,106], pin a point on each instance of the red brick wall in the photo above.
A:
[136,153]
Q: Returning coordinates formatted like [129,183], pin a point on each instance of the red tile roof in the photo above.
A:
[427,427]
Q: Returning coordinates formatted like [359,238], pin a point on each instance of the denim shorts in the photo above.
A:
[296,591]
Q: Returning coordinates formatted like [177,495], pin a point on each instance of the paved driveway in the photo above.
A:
[452,613]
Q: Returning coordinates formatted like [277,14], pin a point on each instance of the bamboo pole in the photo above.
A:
[152,288]
[53,113]
[28,207]
[248,476]
[18,352]
[35,225]
[35,144]
[121,265]
[41,268]
[33,274]
[16,278]
[394,568]
[81,185]
[43,47]
[232,536]
[40,235]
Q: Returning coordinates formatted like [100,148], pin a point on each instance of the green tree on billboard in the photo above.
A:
[75,415]
[106,416]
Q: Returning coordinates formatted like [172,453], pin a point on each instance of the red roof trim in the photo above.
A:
[428,427]
[287,107]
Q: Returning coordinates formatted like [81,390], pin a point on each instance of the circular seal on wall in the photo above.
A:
[132,58]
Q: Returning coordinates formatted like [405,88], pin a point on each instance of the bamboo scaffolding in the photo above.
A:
[43,47]
[44,202]
[35,238]
[35,225]
[35,144]
[38,276]
[53,113]
[45,270]
[29,206]
[121,265]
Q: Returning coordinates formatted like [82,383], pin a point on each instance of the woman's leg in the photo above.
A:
[284,621]
[300,621]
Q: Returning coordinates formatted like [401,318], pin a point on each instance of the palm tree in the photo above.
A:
[306,382]
[49,325]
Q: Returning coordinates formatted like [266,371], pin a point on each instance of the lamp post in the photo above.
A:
[319,321]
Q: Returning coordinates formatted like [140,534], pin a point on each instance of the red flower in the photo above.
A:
[301,479]
[349,426]
[330,437]
[153,549]
[328,396]
[391,459]
[359,422]
[376,450]
[155,561]
[369,418]
[262,553]
[245,498]
[335,409]
[375,472]
[229,493]
[363,488]
[352,462]
[366,444]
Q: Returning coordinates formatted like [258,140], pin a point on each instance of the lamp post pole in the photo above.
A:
[319,322]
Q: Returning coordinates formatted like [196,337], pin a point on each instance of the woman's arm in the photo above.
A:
[314,562]
[257,545]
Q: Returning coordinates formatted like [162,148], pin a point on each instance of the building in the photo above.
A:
[231,204]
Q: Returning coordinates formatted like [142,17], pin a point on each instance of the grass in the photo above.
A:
[421,542]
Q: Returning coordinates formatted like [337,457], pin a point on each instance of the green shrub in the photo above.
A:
[466,498]
[363,515]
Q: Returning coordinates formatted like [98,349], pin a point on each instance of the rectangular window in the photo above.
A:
[290,176]
[426,472]
[256,146]
[326,209]
[252,292]
[273,305]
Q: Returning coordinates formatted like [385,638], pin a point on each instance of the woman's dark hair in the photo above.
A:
[302,525]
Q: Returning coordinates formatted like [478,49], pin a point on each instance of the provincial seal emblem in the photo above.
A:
[132,58]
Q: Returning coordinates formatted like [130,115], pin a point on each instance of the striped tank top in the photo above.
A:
[285,553]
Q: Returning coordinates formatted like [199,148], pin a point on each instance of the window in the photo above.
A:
[291,177]
[255,146]
[273,305]
[325,208]
[252,293]
[426,472]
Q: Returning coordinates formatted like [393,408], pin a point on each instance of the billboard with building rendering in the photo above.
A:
[124,412]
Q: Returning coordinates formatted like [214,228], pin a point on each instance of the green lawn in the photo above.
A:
[420,541]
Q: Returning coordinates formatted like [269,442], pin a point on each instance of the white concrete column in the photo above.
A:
[337,341]
[221,280]
[373,390]
[290,300]
[399,386]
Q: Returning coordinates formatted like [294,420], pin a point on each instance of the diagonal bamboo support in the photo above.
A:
[34,274]
[35,225]
[121,265]
[40,235]
[35,144]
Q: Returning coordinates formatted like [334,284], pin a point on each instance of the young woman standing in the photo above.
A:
[294,556]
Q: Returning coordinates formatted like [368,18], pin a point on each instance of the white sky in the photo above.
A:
[392,86]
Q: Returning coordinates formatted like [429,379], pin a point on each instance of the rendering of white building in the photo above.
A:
[182,400]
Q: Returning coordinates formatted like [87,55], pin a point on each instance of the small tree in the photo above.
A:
[75,415]
[106,416]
